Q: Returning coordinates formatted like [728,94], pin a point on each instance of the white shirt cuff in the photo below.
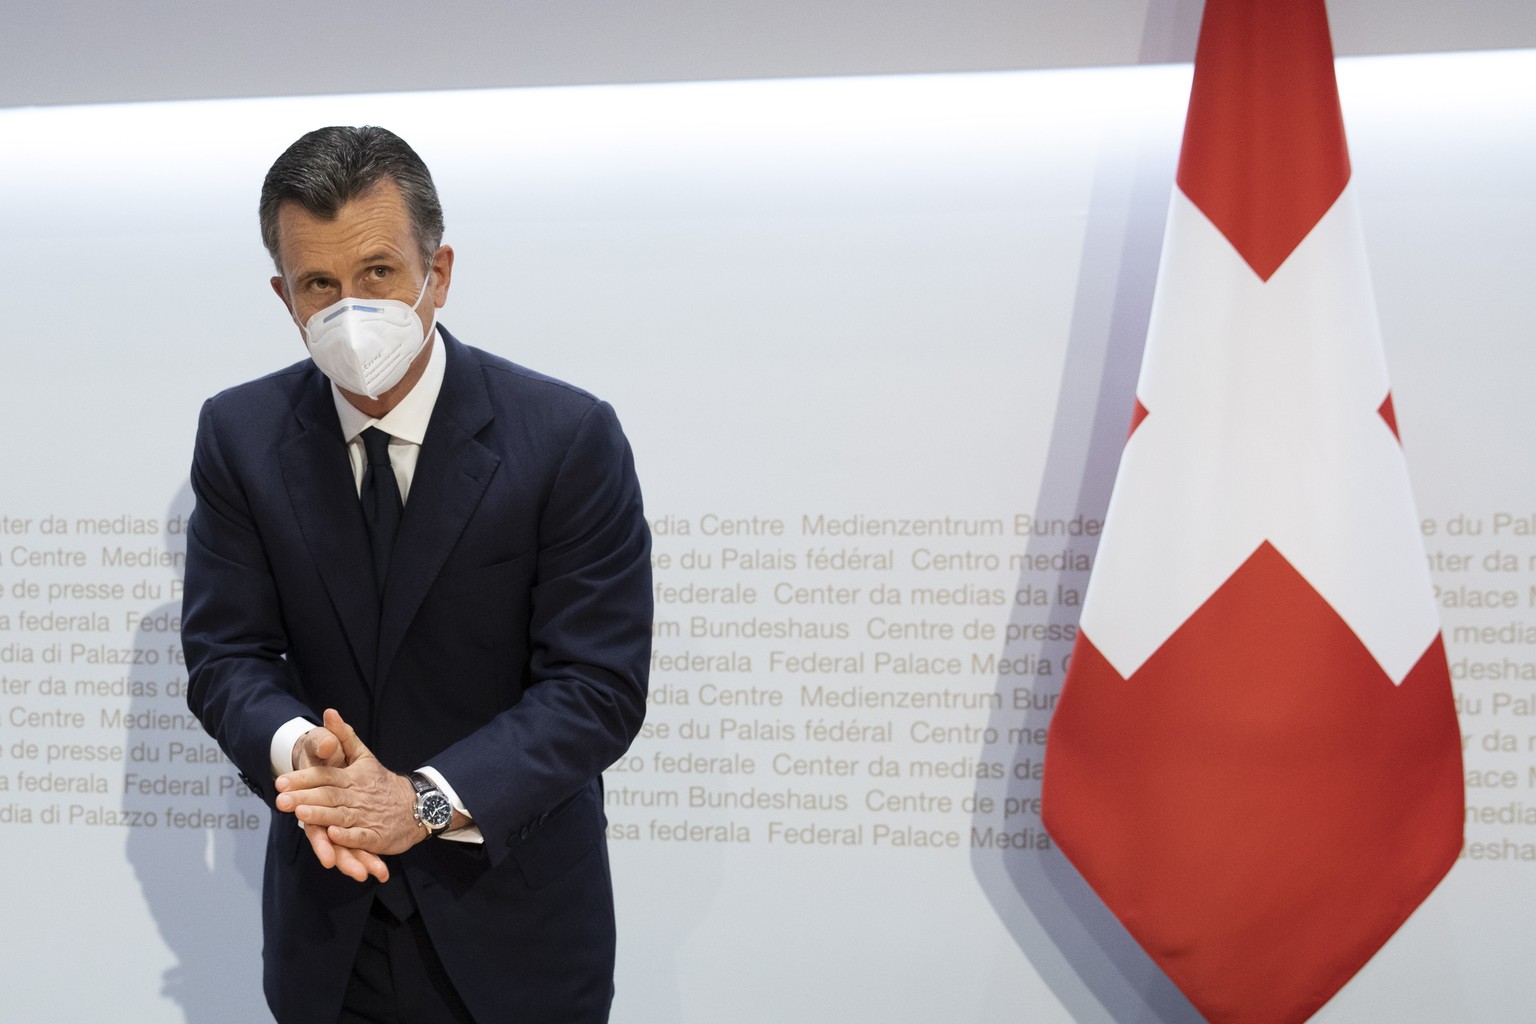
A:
[282,744]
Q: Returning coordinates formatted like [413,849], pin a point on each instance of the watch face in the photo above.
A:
[436,811]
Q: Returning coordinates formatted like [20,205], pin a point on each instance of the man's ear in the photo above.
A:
[442,268]
[277,286]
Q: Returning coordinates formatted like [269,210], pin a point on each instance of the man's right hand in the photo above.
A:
[319,748]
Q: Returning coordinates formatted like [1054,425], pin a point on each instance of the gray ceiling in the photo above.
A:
[88,51]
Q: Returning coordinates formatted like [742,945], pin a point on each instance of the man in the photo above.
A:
[417,618]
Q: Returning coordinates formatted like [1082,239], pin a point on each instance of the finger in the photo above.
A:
[363,863]
[325,816]
[347,864]
[290,800]
[362,838]
[312,778]
[325,853]
[324,746]
[352,747]
[318,746]
[355,864]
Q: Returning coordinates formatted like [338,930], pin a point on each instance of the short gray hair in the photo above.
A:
[329,167]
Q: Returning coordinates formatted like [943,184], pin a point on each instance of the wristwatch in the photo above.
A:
[433,811]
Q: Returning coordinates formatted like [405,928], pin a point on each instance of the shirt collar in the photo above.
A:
[408,420]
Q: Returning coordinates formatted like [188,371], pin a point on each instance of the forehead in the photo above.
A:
[376,223]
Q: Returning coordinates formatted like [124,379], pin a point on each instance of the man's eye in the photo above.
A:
[379,273]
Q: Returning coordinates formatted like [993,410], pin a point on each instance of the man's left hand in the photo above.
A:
[362,805]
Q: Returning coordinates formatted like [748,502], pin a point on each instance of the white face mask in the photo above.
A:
[365,345]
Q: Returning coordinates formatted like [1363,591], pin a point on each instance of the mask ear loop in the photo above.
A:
[433,325]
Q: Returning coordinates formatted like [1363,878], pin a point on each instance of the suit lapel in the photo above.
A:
[319,479]
[452,472]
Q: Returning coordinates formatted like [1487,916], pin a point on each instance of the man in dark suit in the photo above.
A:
[417,618]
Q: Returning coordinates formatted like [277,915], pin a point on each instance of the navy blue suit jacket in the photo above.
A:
[509,650]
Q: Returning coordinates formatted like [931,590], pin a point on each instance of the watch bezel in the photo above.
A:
[433,811]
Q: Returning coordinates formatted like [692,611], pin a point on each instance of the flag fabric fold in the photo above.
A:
[1255,760]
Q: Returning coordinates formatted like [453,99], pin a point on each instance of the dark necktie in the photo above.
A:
[381,501]
[381,509]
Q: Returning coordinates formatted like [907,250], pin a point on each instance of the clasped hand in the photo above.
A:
[352,808]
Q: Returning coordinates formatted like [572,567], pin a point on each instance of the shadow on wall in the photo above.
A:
[199,867]
[1080,950]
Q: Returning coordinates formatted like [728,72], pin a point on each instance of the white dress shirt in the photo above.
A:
[406,425]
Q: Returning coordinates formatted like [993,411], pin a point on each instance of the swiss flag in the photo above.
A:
[1255,761]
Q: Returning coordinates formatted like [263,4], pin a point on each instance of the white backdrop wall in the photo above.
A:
[874,342]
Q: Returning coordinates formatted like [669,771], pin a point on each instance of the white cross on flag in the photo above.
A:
[1255,761]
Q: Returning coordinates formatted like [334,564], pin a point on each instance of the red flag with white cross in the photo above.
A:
[1255,761]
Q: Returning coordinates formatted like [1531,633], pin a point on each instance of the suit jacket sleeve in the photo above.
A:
[240,684]
[589,642]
